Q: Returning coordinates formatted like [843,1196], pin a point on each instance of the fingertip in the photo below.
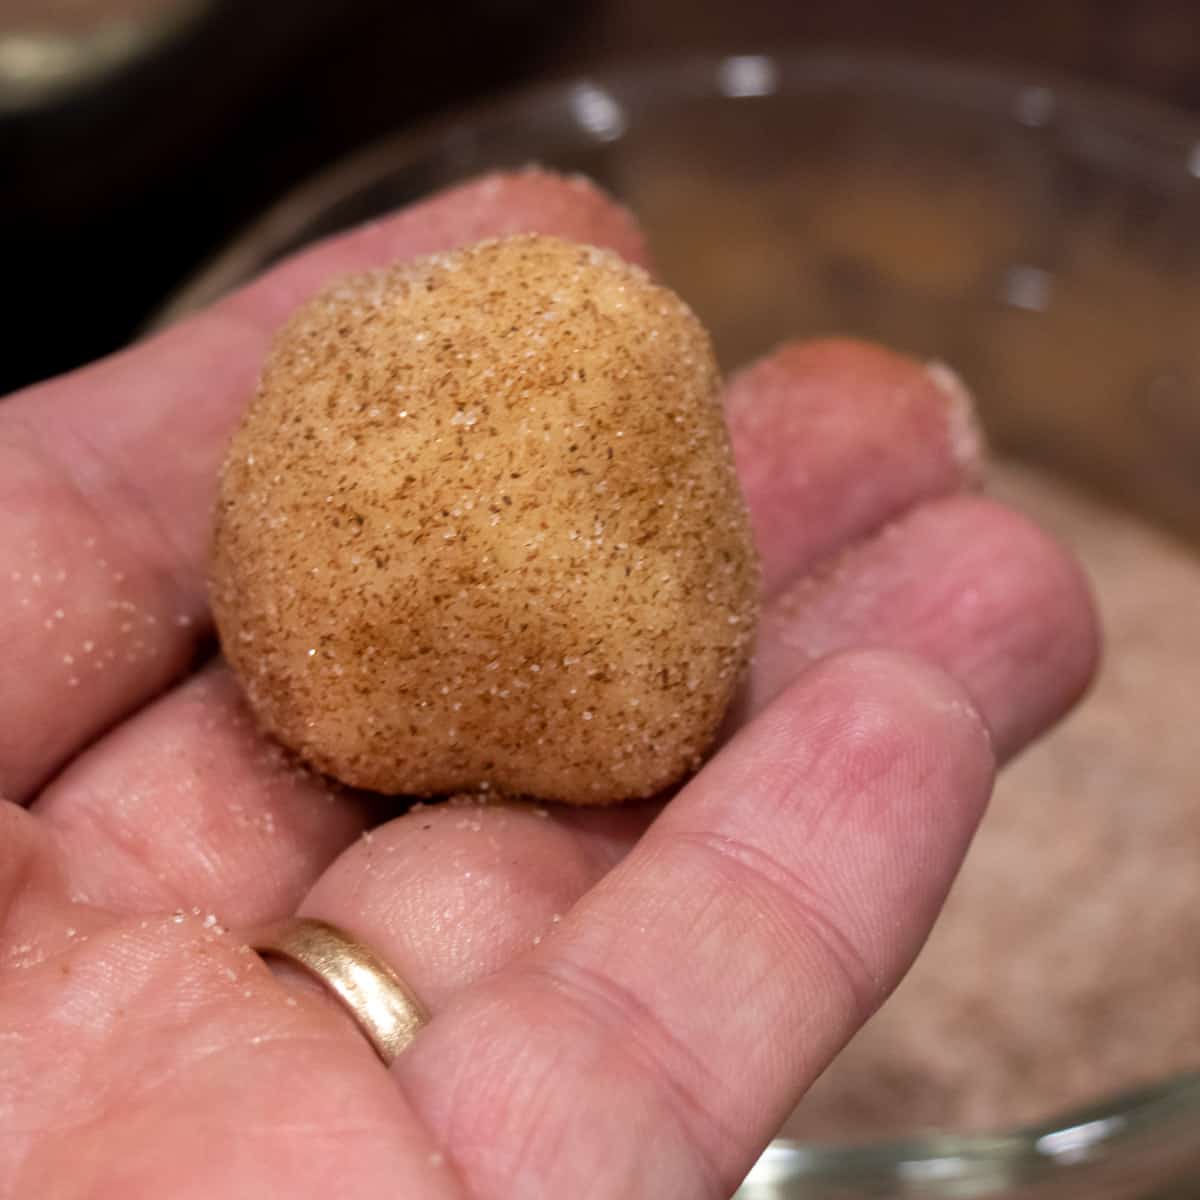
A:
[533,200]
[968,442]
[454,891]
[882,722]
[967,584]
[1053,603]
[835,437]
[819,362]
[891,709]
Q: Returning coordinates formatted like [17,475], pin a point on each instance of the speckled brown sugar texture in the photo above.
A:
[480,527]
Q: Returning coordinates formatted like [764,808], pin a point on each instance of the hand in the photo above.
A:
[625,1003]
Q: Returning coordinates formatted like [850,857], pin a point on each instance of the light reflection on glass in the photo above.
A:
[747,75]
[1028,288]
[598,112]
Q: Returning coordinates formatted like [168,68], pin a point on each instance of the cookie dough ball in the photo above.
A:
[480,527]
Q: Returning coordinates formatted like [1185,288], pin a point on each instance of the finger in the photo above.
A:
[107,476]
[965,583]
[188,806]
[454,892]
[706,981]
[834,438]
[497,205]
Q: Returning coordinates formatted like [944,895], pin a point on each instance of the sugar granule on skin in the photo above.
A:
[369,568]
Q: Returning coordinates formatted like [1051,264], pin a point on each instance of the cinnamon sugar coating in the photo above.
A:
[480,527]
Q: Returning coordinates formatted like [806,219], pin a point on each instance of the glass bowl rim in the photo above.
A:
[1110,115]
[1075,1138]
[1159,133]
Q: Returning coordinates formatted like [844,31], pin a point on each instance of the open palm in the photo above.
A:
[625,1003]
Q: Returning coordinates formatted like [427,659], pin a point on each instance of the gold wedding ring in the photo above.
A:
[382,1005]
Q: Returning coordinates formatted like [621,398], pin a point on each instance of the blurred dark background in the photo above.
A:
[136,136]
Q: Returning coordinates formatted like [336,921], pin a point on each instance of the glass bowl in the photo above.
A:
[1040,236]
